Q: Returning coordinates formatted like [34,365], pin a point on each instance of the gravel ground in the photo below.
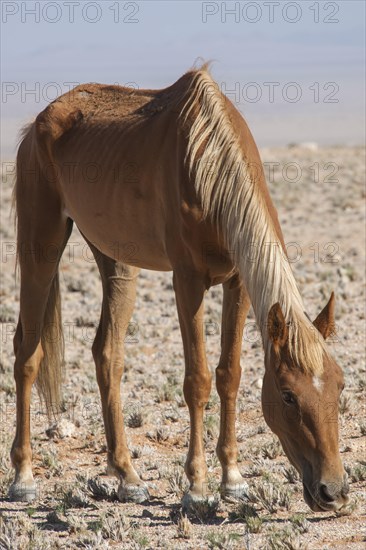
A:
[320,198]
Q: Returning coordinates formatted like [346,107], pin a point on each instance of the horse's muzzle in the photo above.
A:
[327,496]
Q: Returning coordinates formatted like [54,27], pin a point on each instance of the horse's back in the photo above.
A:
[119,166]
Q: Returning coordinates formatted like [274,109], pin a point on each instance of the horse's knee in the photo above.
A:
[227,381]
[27,362]
[197,388]
[108,365]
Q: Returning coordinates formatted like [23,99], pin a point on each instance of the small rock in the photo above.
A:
[62,429]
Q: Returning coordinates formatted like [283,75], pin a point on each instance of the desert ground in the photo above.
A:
[320,197]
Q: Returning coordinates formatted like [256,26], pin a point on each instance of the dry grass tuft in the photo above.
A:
[291,474]
[284,539]
[184,527]
[247,513]
[135,419]
[272,450]
[271,495]
[177,480]
[204,510]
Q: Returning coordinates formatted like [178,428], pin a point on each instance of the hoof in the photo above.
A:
[232,492]
[133,493]
[197,503]
[23,492]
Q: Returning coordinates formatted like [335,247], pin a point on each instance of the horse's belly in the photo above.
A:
[128,235]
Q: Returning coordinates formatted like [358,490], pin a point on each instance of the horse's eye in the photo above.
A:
[288,398]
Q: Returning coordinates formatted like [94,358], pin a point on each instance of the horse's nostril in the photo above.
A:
[325,494]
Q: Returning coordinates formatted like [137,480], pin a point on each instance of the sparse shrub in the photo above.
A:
[213,461]
[254,524]
[98,488]
[284,539]
[357,472]
[135,419]
[204,510]
[300,523]
[5,480]
[222,540]
[76,524]
[72,498]
[291,474]
[184,527]
[115,526]
[257,468]
[211,426]
[272,450]
[248,514]
[344,404]
[52,464]
[136,452]
[92,541]
[18,533]
[177,481]
[76,285]
[159,435]
[173,414]
[140,538]
[81,322]
[271,496]
[169,390]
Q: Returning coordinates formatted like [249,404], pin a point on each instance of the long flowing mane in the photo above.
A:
[231,198]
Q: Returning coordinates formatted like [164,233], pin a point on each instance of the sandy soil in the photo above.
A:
[320,198]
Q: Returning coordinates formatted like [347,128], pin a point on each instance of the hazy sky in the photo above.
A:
[296,70]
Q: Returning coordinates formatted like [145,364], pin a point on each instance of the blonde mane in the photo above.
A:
[232,199]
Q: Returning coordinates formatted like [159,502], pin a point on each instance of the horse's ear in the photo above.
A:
[325,320]
[277,328]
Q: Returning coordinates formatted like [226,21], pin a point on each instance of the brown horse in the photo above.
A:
[176,172]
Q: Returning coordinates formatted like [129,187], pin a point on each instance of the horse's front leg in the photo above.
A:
[189,290]
[235,308]
[119,292]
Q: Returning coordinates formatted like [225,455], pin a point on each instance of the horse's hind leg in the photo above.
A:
[235,308]
[119,292]
[42,234]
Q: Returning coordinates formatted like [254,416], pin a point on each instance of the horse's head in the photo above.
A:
[302,410]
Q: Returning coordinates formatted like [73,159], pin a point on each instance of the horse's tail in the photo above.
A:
[50,372]
[48,381]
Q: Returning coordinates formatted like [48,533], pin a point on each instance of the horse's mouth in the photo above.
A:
[311,502]
[317,506]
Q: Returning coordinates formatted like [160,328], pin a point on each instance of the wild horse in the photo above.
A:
[175,171]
